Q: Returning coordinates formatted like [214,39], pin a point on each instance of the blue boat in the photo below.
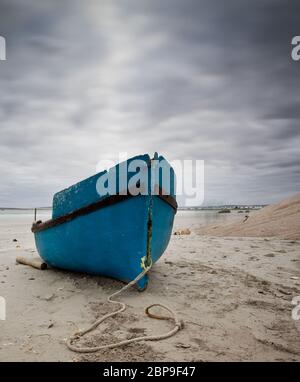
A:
[112,231]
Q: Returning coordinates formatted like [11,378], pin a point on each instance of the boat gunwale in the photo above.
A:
[106,202]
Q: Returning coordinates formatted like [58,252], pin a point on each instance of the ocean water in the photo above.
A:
[183,218]
[195,219]
[8,217]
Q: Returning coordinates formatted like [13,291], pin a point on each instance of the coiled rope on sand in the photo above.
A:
[177,323]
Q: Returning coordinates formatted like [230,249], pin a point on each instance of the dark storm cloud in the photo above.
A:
[210,80]
[245,45]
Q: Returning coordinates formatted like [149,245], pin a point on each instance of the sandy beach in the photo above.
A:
[117,117]
[233,294]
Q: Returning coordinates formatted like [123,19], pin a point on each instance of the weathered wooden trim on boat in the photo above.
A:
[109,201]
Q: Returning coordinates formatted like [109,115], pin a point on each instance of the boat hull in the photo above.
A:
[113,241]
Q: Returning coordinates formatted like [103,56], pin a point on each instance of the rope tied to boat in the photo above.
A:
[177,323]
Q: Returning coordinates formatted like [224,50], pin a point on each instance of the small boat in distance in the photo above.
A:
[100,227]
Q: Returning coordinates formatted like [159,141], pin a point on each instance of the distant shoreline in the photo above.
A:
[24,209]
[235,207]
[196,208]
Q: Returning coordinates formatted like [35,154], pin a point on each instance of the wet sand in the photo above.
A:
[233,294]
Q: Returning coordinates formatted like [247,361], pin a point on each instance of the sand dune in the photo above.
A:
[281,220]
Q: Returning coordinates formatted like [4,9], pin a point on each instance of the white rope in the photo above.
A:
[173,317]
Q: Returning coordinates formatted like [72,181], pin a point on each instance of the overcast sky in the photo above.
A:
[191,79]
